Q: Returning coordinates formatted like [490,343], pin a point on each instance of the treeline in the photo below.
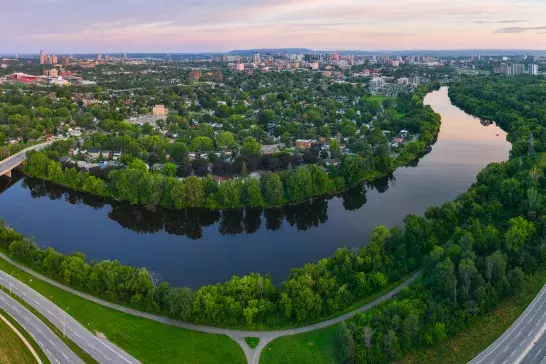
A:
[311,292]
[517,104]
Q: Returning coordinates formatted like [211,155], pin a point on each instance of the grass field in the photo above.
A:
[146,340]
[253,342]
[321,346]
[316,347]
[12,348]
[378,98]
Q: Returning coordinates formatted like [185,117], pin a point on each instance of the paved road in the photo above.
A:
[537,355]
[265,337]
[100,349]
[524,341]
[56,351]
[13,161]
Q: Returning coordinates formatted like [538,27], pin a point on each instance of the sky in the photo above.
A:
[178,26]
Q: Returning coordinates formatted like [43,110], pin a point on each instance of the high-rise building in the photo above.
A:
[256,59]
[99,57]
[518,69]
[64,61]
[506,70]
[533,69]
[42,57]
[54,59]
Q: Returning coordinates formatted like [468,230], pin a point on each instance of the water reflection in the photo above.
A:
[190,222]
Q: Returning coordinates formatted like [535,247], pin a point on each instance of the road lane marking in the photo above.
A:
[65,356]
[518,335]
[38,329]
[24,294]
[50,313]
[76,335]
[57,361]
[26,318]
[530,308]
[505,349]
[513,352]
[504,362]
[532,344]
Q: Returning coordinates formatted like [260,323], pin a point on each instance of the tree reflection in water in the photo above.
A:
[191,222]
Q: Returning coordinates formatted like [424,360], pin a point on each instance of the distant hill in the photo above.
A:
[413,52]
[251,52]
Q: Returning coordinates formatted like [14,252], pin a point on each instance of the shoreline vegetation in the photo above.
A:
[475,252]
[138,186]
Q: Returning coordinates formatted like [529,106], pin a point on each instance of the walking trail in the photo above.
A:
[252,355]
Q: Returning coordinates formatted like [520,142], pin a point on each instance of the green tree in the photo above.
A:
[251,147]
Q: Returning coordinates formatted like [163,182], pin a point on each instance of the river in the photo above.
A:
[198,247]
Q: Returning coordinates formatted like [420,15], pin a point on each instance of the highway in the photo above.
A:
[56,351]
[524,341]
[99,348]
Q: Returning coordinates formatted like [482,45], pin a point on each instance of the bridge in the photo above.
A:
[8,164]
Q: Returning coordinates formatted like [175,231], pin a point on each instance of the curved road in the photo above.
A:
[524,341]
[100,349]
[54,348]
[252,355]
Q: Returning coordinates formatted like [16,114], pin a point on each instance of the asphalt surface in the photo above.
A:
[537,355]
[99,348]
[524,341]
[56,351]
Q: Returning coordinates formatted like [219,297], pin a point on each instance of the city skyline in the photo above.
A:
[217,26]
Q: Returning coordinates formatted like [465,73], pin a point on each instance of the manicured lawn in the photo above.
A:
[252,341]
[473,340]
[12,348]
[378,98]
[316,347]
[146,340]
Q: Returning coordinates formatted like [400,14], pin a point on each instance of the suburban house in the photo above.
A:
[93,152]
[304,143]
[105,154]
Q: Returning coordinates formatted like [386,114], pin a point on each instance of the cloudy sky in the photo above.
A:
[78,26]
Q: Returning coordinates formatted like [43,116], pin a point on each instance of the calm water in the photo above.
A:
[195,247]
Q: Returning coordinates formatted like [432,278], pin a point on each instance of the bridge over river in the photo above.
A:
[8,164]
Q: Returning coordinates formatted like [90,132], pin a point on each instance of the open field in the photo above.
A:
[146,340]
[316,347]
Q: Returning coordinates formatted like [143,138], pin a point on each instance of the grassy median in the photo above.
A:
[12,348]
[146,340]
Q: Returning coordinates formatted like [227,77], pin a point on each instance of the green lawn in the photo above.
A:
[146,340]
[378,98]
[252,341]
[316,347]
[12,348]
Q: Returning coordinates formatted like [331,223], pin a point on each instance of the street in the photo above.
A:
[100,349]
